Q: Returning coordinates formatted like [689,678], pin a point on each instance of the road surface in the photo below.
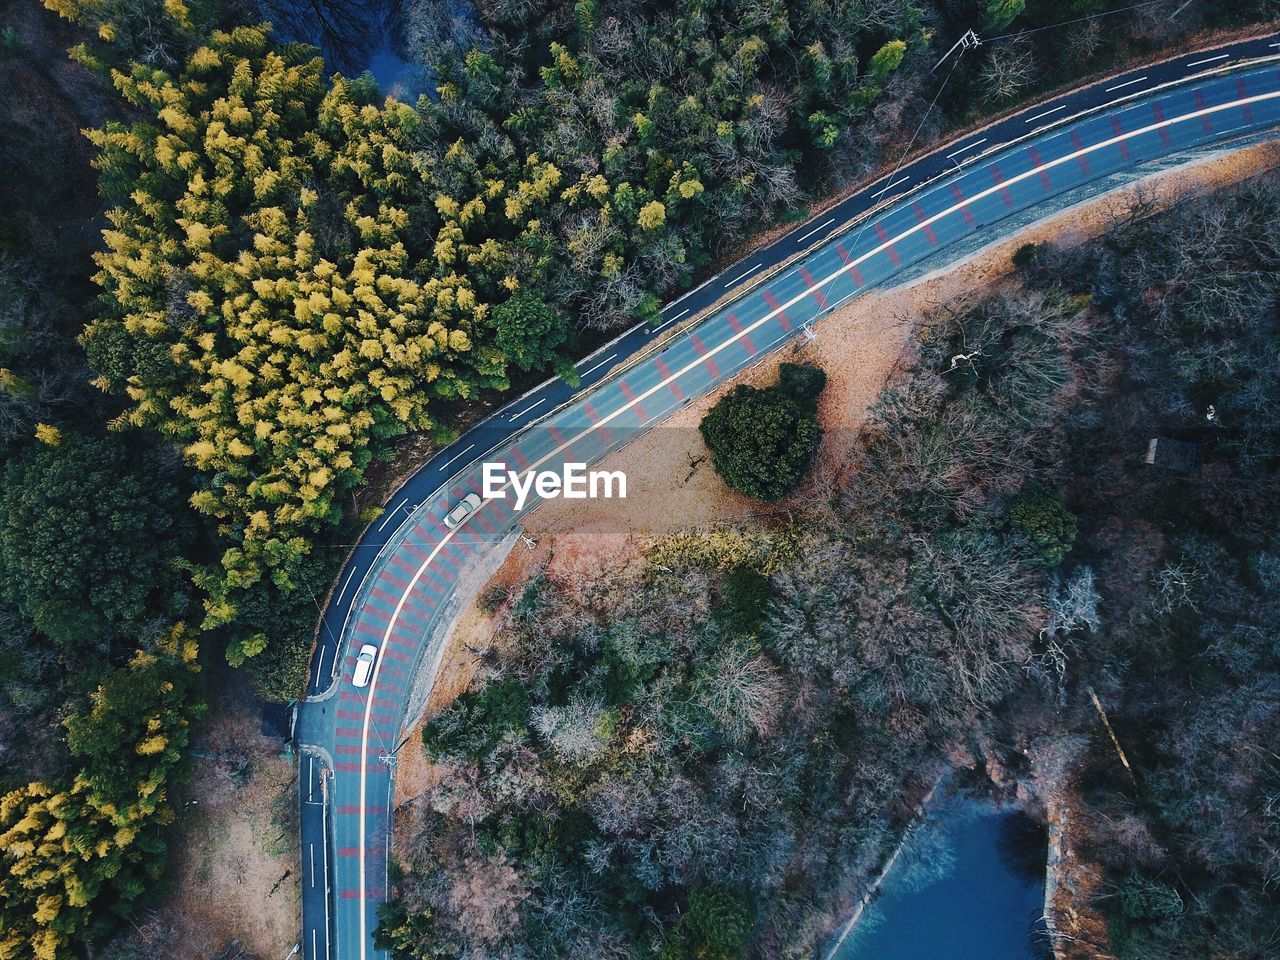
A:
[396,583]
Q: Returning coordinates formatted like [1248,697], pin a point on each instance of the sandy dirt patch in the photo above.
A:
[234,863]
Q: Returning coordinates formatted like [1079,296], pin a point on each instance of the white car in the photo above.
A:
[364,665]
[465,508]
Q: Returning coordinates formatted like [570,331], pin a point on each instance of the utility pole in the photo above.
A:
[969,40]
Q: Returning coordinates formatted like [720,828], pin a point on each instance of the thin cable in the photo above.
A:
[1067,23]
[893,174]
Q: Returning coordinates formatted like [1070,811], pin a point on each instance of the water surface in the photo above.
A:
[968,886]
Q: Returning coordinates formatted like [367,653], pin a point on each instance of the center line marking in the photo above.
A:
[815,230]
[1038,116]
[587,373]
[391,513]
[743,276]
[456,455]
[967,146]
[667,323]
[1127,83]
[346,584]
[517,416]
[847,267]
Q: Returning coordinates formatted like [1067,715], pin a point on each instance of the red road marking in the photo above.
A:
[521,460]
[1241,92]
[359,714]
[348,851]
[921,217]
[1206,124]
[347,748]
[355,809]
[772,301]
[1076,144]
[812,284]
[884,239]
[348,731]
[1045,183]
[666,375]
[1158,111]
[352,767]
[701,348]
[964,204]
[736,324]
[1119,132]
[998,178]
[853,271]
[397,655]
[631,398]
[595,419]
[355,894]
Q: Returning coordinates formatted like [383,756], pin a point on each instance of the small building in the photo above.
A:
[1176,455]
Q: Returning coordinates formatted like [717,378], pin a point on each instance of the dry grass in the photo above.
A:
[235,867]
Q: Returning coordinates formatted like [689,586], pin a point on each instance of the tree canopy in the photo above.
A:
[90,536]
[762,441]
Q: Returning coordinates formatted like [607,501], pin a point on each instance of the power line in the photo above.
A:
[1067,23]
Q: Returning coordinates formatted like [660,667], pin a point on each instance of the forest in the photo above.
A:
[224,305]
[695,753]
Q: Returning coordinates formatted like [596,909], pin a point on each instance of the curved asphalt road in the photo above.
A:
[407,564]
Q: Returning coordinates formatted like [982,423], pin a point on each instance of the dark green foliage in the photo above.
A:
[803,383]
[90,534]
[762,441]
[1026,255]
[528,330]
[477,721]
[1140,898]
[744,600]
[1039,515]
[715,926]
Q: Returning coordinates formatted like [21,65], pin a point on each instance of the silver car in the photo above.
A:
[364,665]
[465,508]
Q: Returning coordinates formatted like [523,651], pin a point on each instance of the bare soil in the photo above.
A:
[235,868]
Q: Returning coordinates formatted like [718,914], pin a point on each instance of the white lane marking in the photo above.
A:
[391,513]
[1127,83]
[311,852]
[517,416]
[815,230]
[743,276]
[895,183]
[346,584]
[314,955]
[668,323]
[967,146]
[697,362]
[1038,116]
[311,778]
[1221,56]
[319,664]
[455,456]
[587,373]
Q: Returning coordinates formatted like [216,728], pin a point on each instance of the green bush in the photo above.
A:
[716,926]
[1038,515]
[762,441]
[476,722]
